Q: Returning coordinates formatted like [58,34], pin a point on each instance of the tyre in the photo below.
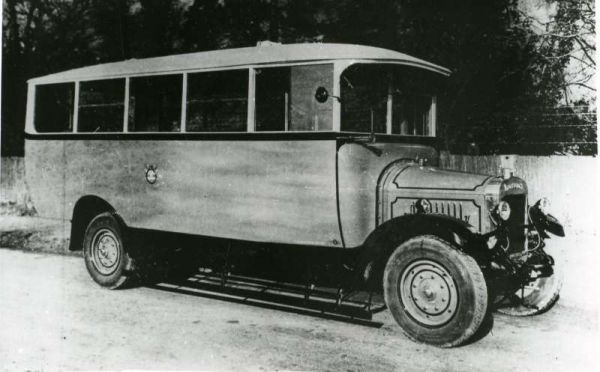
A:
[436,293]
[105,254]
[535,298]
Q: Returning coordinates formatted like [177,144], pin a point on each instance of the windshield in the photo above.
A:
[388,99]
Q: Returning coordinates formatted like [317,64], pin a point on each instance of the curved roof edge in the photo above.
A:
[265,54]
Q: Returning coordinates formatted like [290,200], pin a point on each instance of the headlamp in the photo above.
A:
[503,210]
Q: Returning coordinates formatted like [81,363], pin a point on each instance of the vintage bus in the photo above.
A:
[330,147]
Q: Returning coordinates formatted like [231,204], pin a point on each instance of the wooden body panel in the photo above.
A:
[45,175]
[280,191]
[272,191]
[359,172]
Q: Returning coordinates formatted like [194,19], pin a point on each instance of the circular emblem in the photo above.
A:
[151,174]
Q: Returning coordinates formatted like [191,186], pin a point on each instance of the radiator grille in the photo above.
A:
[516,222]
[454,209]
[465,210]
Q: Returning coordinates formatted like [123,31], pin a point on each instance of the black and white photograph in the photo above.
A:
[299,185]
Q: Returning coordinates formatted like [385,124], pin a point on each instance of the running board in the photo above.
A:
[356,307]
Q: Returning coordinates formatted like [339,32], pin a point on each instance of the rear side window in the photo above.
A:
[306,114]
[217,101]
[155,104]
[101,105]
[285,98]
[272,112]
[54,108]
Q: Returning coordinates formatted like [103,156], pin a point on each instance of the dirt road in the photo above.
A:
[53,316]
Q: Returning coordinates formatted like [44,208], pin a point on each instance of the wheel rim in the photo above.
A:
[428,293]
[106,251]
[538,291]
[531,298]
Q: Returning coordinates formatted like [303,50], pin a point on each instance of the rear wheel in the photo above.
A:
[105,254]
[436,293]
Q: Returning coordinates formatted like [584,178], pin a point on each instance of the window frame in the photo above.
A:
[125,104]
[182,109]
[287,108]
[433,115]
[125,127]
[335,87]
[32,108]
[250,99]
[338,67]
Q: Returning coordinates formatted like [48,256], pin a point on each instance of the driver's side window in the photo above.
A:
[364,100]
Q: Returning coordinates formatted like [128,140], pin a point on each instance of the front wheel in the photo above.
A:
[106,258]
[534,298]
[436,293]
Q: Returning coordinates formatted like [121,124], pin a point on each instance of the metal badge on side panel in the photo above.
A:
[151,174]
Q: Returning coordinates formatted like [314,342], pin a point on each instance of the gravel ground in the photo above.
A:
[55,318]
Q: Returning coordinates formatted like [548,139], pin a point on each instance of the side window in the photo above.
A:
[412,115]
[285,98]
[385,98]
[306,113]
[54,108]
[272,99]
[101,105]
[364,99]
[155,104]
[217,101]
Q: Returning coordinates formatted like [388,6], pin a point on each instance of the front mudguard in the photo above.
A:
[544,223]
[377,248]
[508,272]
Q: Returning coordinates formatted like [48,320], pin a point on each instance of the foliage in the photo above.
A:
[567,39]
[506,84]
[565,64]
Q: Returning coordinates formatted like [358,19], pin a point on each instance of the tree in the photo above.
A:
[566,41]
[507,76]
[567,38]
[39,37]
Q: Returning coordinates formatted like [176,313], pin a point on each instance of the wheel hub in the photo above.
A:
[105,251]
[428,293]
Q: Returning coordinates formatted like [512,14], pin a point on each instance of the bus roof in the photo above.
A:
[263,54]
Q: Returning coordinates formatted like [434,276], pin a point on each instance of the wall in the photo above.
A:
[570,182]
[13,190]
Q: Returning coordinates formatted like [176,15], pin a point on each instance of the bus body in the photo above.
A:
[252,184]
[326,146]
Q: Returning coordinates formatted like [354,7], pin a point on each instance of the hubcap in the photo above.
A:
[428,293]
[105,251]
